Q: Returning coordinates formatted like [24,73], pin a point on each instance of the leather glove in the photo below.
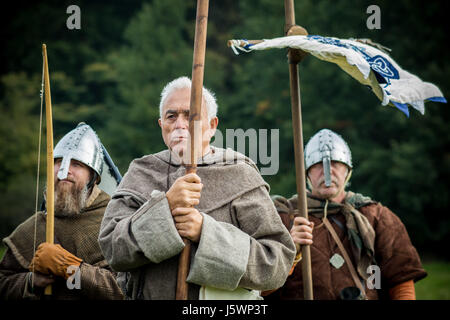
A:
[53,259]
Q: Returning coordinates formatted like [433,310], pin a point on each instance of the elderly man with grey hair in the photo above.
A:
[239,244]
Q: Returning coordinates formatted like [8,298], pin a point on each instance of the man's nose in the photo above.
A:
[334,168]
[70,172]
[182,122]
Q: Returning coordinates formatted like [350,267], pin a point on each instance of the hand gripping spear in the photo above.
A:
[195,129]
[294,57]
[49,234]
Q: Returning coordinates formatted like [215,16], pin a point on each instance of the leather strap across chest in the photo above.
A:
[345,255]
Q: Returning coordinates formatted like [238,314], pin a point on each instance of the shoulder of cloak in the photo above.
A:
[223,181]
[282,204]
[78,235]
[144,175]
[357,200]
[21,240]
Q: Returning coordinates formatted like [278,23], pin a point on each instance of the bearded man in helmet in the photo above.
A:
[74,265]
[359,248]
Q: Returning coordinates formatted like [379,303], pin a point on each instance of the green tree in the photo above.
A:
[19,115]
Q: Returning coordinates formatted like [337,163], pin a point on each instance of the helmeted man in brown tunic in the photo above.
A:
[74,266]
[359,248]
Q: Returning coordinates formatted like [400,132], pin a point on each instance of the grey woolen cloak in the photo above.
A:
[243,242]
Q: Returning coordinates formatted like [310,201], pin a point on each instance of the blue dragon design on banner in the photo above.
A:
[384,70]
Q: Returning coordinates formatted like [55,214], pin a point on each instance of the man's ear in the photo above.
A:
[308,182]
[94,179]
[159,122]
[213,126]
[213,123]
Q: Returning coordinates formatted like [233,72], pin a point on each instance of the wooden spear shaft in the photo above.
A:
[298,148]
[49,203]
[195,128]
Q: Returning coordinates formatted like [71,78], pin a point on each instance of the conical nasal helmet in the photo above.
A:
[326,146]
[82,144]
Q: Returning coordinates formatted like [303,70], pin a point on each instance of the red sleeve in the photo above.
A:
[403,291]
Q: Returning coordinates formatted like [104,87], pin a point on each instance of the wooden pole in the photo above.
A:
[294,57]
[195,128]
[50,203]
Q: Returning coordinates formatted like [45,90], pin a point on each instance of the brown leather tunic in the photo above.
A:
[395,255]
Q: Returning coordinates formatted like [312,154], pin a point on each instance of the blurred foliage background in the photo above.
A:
[110,73]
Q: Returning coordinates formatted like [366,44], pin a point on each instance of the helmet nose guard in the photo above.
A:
[82,144]
[326,146]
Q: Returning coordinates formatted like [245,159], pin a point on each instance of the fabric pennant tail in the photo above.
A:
[437,99]
[403,107]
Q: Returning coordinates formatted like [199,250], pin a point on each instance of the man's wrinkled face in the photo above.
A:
[338,175]
[71,193]
[174,122]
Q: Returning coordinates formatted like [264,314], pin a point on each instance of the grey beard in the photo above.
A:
[71,203]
